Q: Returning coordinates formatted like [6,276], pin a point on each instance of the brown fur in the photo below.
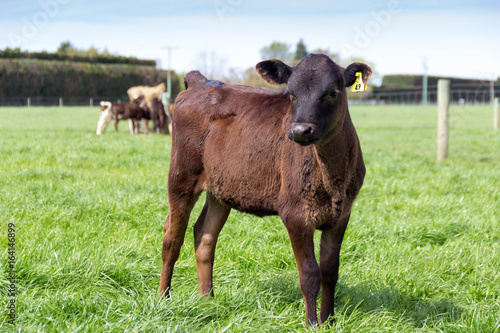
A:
[161,120]
[132,111]
[234,143]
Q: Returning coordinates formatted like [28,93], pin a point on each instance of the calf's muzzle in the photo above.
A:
[303,133]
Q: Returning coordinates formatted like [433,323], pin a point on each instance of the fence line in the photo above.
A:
[457,96]
[58,101]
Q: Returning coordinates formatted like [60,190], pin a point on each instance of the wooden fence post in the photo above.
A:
[28,102]
[495,114]
[442,130]
[91,101]
[60,102]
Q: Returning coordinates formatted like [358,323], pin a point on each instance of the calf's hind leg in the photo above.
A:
[175,228]
[206,232]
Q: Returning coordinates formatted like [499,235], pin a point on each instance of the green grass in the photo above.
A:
[421,253]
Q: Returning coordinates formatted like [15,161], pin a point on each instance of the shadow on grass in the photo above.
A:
[282,291]
[285,288]
[370,299]
[417,311]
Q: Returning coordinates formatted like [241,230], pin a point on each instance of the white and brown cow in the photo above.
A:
[105,117]
[133,112]
[146,93]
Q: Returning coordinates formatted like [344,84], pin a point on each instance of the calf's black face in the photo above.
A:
[317,92]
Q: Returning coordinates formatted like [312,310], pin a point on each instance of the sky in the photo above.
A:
[457,38]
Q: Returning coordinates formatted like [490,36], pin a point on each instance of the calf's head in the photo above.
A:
[317,89]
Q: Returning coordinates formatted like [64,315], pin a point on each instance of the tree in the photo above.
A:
[91,52]
[65,47]
[234,76]
[248,77]
[335,56]
[210,65]
[277,50]
[301,50]
[251,78]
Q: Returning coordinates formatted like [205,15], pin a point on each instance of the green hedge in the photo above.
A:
[31,77]
[405,81]
[97,58]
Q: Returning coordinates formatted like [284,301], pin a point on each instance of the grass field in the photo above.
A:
[421,253]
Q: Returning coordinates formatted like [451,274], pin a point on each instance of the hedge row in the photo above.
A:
[405,81]
[97,58]
[30,78]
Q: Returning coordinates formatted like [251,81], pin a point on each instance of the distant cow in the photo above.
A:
[146,93]
[105,117]
[293,153]
[161,120]
[133,112]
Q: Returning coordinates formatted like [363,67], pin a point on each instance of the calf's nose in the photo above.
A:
[300,132]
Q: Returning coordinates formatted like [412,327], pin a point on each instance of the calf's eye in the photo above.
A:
[333,93]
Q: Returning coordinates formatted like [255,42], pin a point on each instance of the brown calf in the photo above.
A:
[133,112]
[293,153]
[161,120]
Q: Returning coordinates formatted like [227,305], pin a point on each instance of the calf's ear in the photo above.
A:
[274,72]
[352,69]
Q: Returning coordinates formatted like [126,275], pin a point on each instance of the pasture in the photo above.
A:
[421,252]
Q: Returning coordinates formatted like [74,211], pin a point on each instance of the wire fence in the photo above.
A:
[457,96]
[379,96]
[58,101]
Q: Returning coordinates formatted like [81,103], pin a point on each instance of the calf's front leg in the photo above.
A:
[331,241]
[302,240]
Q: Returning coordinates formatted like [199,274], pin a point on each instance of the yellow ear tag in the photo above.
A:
[358,86]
